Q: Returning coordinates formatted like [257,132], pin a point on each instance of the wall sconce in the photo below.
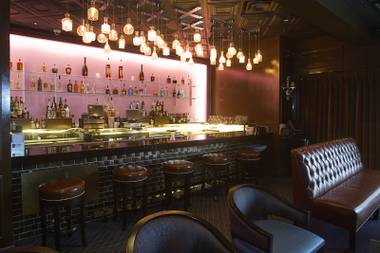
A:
[289,88]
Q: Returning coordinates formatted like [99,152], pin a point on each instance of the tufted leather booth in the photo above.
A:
[176,231]
[329,180]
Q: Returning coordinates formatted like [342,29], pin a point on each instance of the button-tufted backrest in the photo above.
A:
[320,167]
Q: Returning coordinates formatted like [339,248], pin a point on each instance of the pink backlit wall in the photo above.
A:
[37,52]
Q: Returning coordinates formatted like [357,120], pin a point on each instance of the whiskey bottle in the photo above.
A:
[69,87]
[115,91]
[76,87]
[68,69]
[46,84]
[124,90]
[81,87]
[84,67]
[43,68]
[20,65]
[141,75]
[39,84]
[108,69]
[174,80]
[121,70]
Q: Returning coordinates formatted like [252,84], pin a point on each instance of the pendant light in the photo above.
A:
[183,57]
[221,66]
[92,12]
[228,63]
[87,36]
[197,36]
[136,40]
[175,44]
[256,60]
[113,33]
[142,47]
[147,50]
[101,38]
[213,61]
[242,58]
[191,61]
[231,49]
[154,54]
[188,54]
[259,56]
[179,50]
[105,26]
[92,34]
[166,51]
[222,59]
[152,34]
[239,53]
[67,23]
[142,37]
[213,52]
[121,42]
[249,64]
[81,29]
[107,48]
[128,28]
[199,50]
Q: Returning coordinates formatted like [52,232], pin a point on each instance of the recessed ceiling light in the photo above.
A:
[35,23]
[285,20]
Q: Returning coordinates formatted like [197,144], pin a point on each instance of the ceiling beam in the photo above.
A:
[190,13]
[334,17]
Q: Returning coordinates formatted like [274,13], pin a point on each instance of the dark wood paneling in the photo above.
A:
[254,93]
[5,159]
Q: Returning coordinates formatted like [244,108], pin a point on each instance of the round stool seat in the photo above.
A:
[249,155]
[178,167]
[216,159]
[258,148]
[63,189]
[31,249]
[130,174]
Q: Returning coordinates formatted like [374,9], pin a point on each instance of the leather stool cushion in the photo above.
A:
[258,148]
[215,159]
[178,167]
[249,155]
[130,174]
[63,189]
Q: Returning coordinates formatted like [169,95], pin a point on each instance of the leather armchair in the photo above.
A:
[176,232]
[249,208]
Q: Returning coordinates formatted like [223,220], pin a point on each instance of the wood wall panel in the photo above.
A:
[255,93]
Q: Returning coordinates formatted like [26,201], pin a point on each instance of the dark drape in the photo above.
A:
[343,104]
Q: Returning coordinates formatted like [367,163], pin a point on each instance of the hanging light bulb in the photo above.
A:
[102,38]
[197,36]
[87,35]
[221,66]
[212,61]
[249,65]
[105,26]
[107,48]
[128,28]
[154,54]
[183,57]
[191,61]
[231,49]
[113,33]
[188,54]
[259,56]
[166,51]
[81,28]
[160,41]
[228,55]
[147,51]
[242,58]
[67,23]
[213,52]
[136,40]
[239,53]
[92,34]
[179,50]
[175,43]
[142,47]
[255,60]
[199,50]
[228,63]
[92,12]
[121,42]
[222,59]
[142,37]
[152,34]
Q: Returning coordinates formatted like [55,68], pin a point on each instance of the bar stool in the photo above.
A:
[216,164]
[129,179]
[248,164]
[64,193]
[174,171]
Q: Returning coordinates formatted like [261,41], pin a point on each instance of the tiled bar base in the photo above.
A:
[26,226]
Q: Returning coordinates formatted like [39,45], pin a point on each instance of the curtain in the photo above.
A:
[343,104]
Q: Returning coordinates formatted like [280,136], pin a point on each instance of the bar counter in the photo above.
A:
[94,161]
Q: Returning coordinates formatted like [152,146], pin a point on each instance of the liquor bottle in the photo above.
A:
[54,109]
[174,80]
[135,91]
[94,88]
[48,110]
[178,93]
[46,84]
[168,80]
[152,78]
[115,91]
[190,82]
[174,93]
[61,113]
[81,87]
[182,80]
[84,67]
[39,84]
[108,91]
[120,70]
[108,69]
[66,110]
[69,87]
[43,68]
[124,90]
[130,91]
[21,108]
[54,69]
[68,69]
[20,65]
[141,75]
[76,87]
[142,105]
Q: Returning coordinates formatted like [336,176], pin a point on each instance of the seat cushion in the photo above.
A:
[352,202]
[129,174]
[288,238]
[63,189]
[245,247]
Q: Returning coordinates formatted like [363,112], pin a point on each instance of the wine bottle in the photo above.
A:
[84,67]
[120,70]
[108,69]
[69,87]
[141,75]
[76,87]
[39,84]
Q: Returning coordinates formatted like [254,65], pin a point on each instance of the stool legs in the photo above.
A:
[83,222]
[57,228]
[43,223]
[186,192]
[186,189]
[68,215]
[168,186]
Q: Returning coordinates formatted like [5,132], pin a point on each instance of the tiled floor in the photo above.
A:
[107,237]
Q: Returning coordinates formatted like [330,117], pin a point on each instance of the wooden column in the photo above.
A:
[6,233]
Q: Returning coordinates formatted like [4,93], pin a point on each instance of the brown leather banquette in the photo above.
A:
[330,181]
